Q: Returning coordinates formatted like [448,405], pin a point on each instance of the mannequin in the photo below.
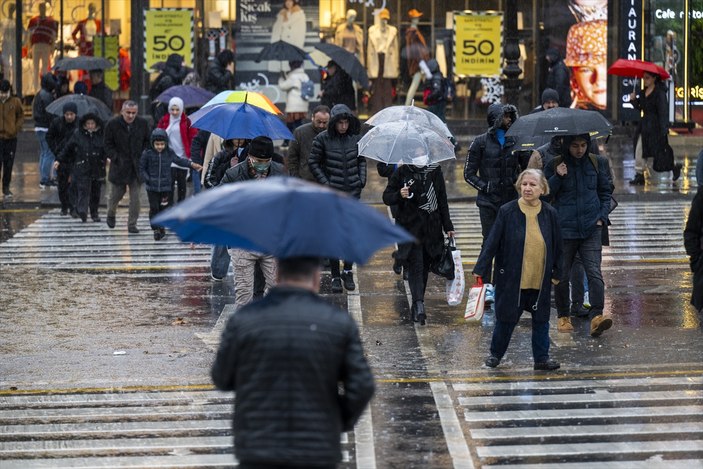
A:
[350,36]
[383,60]
[415,51]
[42,30]
[85,30]
[9,44]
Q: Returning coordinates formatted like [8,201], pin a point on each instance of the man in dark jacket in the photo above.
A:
[550,99]
[42,121]
[11,119]
[492,168]
[220,72]
[436,91]
[126,137]
[337,88]
[99,90]
[299,150]
[581,188]
[558,77]
[60,131]
[298,369]
[257,165]
[334,161]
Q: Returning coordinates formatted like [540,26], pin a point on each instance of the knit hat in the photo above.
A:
[261,147]
[70,107]
[4,86]
[550,94]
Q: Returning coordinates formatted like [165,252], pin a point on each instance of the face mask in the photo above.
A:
[260,167]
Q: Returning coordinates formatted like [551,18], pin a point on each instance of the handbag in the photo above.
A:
[665,160]
[455,288]
[476,302]
[444,266]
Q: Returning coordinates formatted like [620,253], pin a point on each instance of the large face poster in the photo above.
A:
[261,23]
[578,30]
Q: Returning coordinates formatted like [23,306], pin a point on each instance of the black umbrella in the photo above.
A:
[282,51]
[82,63]
[85,105]
[346,60]
[535,128]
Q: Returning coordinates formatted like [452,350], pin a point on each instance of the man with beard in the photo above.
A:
[300,147]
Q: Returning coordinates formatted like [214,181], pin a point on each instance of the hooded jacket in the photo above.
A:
[85,151]
[558,78]
[124,146]
[42,118]
[155,167]
[437,90]
[60,133]
[11,117]
[299,152]
[172,75]
[334,158]
[217,77]
[338,89]
[490,167]
[292,85]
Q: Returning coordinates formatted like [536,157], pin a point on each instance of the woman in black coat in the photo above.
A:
[651,139]
[338,88]
[692,239]
[526,244]
[421,197]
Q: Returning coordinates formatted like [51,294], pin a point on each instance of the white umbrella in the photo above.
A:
[410,113]
[405,142]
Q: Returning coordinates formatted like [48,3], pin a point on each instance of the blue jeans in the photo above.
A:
[503,331]
[197,186]
[46,158]
[219,261]
[589,250]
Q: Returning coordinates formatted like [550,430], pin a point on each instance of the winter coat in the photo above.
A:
[188,132]
[220,163]
[103,93]
[217,77]
[558,79]
[341,33]
[654,126]
[240,172]
[693,242]
[290,26]
[582,196]
[11,117]
[334,158]
[197,146]
[435,85]
[42,118]
[387,43]
[292,85]
[299,152]
[155,167]
[338,89]
[506,243]
[59,134]
[84,152]
[426,227]
[284,356]
[491,168]
[172,75]
[124,148]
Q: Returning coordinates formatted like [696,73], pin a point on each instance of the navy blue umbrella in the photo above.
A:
[284,217]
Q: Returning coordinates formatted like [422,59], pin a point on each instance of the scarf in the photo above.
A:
[427,197]
[175,139]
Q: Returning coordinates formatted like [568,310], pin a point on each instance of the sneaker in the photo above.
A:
[110,221]
[214,279]
[492,362]
[64,211]
[84,217]
[564,324]
[74,214]
[7,194]
[348,278]
[95,218]
[549,365]
[157,235]
[132,229]
[490,294]
[600,324]
[337,285]
[676,171]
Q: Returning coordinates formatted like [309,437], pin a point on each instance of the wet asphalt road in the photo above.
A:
[146,320]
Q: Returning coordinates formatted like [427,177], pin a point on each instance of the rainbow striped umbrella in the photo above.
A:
[244,97]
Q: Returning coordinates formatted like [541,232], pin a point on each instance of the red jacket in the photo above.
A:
[188,132]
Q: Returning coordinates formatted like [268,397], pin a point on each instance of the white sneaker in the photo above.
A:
[490,294]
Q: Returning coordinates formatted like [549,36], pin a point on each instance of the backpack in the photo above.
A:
[307,90]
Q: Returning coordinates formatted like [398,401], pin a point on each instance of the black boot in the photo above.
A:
[676,171]
[420,315]
[638,180]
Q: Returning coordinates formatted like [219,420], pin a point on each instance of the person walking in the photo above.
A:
[651,138]
[298,370]
[99,89]
[220,72]
[257,165]
[558,77]
[550,100]
[155,168]
[180,138]
[11,120]
[334,161]
[126,137]
[42,121]
[492,168]
[337,88]
[525,242]
[172,74]
[693,242]
[421,199]
[579,182]
[292,83]
[435,94]
[299,149]
[84,154]
[60,131]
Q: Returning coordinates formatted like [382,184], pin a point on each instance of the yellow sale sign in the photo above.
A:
[168,31]
[478,39]
[112,52]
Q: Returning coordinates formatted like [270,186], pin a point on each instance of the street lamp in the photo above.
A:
[511,48]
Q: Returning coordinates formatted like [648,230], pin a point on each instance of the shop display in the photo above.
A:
[415,52]
[383,62]
[350,36]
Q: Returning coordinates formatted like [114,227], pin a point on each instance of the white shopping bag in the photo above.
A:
[455,288]
[476,302]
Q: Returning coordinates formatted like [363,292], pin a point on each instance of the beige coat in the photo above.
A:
[359,33]
[214,145]
[11,117]
[384,42]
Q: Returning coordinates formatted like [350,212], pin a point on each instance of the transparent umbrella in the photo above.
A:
[412,114]
[405,142]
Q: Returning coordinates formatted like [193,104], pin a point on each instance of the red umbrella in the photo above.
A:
[636,68]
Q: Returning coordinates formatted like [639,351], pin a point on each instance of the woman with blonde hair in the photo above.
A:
[525,242]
